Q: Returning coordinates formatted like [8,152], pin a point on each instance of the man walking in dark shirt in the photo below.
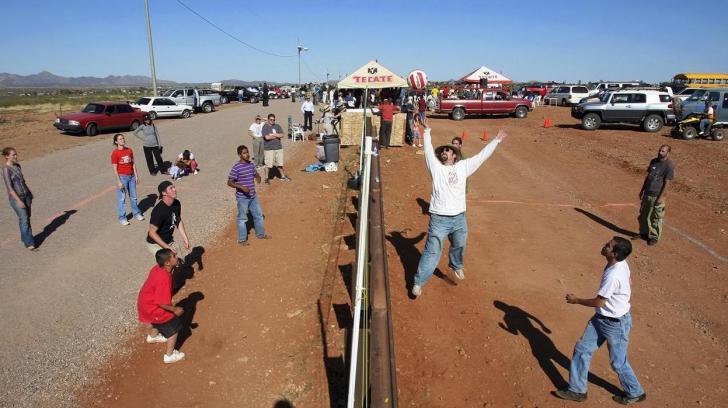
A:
[652,194]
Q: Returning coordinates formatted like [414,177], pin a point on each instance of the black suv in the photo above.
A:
[251,94]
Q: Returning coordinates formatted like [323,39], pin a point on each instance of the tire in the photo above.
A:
[653,123]
[457,114]
[565,102]
[92,130]
[224,99]
[718,134]
[591,121]
[186,113]
[689,133]
[521,112]
[134,125]
[253,99]
[207,107]
[152,115]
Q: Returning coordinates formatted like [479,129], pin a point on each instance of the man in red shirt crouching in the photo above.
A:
[155,305]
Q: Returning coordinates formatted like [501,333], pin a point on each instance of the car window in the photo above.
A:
[190,92]
[639,98]
[123,109]
[714,96]
[580,89]
[167,102]
[179,93]
[158,102]
[109,109]
[489,96]
[143,101]
[93,108]
[665,98]
[725,100]
[622,98]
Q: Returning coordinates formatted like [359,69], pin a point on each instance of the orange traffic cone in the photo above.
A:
[465,135]
[485,135]
[547,122]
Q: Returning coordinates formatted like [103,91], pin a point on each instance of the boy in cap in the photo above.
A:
[154,306]
[166,217]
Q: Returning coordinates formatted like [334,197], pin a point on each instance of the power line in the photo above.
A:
[232,36]
[317,76]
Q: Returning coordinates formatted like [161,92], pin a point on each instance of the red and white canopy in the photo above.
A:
[372,75]
[485,72]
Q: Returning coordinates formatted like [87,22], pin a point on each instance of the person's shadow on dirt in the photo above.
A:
[284,403]
[189,304]
[186,269]
[409,255]
[424,206]
[601,221]
[52,227]
[517,321]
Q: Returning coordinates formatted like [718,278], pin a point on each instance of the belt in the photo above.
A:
[611,319]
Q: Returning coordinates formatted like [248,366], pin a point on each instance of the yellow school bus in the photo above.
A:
[700,80]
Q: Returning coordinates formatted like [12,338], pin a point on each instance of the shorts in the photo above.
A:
[274,158]
[169,328]
[177,248]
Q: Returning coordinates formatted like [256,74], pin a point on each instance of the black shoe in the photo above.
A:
[625,400]
[570,395]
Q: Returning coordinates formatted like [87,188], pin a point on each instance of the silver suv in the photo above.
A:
[647,107]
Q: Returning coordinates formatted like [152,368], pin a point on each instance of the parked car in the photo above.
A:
[250,94]
[539,89]
[686,93]
[162,107]
[696,101]
[203,100]
[100,116]
[567,95]
[649,108]
[490,103]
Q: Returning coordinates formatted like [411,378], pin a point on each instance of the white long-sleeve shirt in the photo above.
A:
[448,182]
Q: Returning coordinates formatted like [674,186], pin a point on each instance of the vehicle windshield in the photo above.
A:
[605,97]
[169,93]
[93,108]
[698,95]
[143,101]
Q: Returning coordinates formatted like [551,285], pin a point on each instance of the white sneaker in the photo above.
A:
[139,217]
[196,171]
[459,274]
[124,222]
[416,290]
[174,357]
[156,339]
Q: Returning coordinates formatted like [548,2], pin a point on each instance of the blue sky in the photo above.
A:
[525,40]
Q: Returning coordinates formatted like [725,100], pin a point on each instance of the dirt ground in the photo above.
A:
[538,212]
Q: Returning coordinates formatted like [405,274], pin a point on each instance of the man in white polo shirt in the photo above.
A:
[611,323]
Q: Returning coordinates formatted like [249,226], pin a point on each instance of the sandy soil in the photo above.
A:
[538,212]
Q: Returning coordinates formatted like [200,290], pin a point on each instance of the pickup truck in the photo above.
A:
[490,103]
[203,100]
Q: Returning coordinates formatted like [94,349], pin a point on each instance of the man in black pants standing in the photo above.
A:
[307,109]
[264,97]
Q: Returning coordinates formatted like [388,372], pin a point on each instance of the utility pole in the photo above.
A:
[300,48]
[151,48]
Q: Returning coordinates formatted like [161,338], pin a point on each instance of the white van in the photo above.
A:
[567,95]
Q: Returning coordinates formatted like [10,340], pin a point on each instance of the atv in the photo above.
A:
[689,128]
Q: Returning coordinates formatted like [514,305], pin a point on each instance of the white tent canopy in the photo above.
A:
[485,72]
[372,75]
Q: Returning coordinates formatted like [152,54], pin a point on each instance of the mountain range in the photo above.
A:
[47,79]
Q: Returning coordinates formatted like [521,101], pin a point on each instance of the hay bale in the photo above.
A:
[352,122]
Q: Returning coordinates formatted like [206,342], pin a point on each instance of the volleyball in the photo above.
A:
[417,79]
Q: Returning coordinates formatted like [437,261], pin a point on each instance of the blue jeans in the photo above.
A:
[704,125]
[129,184]
[616,333]
[253,205]
[454,228]
[26,233]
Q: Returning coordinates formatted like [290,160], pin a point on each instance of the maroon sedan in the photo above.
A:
[101,116]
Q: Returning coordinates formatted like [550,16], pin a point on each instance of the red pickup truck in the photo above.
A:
[490,103]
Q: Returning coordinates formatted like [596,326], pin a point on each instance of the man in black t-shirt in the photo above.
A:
[652,194]
[166,217]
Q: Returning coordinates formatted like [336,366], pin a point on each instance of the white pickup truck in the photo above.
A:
[203,100]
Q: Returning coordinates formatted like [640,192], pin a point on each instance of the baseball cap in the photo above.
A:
[163,186]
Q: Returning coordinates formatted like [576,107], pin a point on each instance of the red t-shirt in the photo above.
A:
[157,290]
[387,111]
[124,160]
